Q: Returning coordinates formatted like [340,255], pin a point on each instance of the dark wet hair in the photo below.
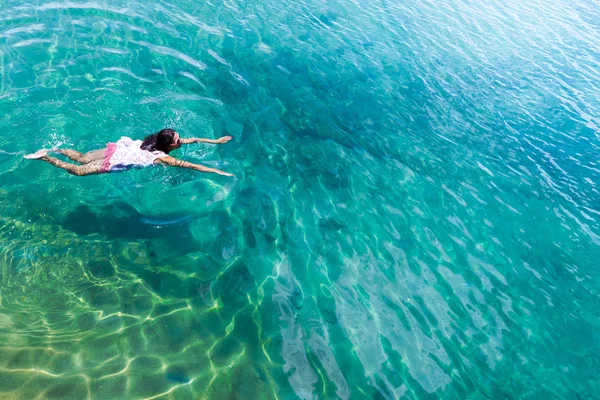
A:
[161,140]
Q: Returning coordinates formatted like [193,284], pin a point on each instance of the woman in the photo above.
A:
[127,153]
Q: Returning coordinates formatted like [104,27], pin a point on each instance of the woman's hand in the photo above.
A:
[218,171]
[223,139]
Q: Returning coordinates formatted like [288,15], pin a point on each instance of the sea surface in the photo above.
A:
[415,211]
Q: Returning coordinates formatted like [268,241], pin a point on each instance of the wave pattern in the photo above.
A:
[415,211]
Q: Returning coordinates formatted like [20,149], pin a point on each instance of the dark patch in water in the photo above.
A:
[330,224]
[177,375]
[120,220]
[328,18]
[100,268]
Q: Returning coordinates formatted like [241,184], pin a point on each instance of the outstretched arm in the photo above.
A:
[223,139]
[168,160]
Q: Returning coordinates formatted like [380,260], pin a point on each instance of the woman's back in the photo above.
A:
[127,153]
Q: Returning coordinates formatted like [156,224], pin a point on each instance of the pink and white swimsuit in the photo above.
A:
[126,153]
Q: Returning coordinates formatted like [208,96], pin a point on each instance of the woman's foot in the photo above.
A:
[37,155]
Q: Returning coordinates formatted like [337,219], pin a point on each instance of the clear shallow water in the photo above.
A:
[414,214]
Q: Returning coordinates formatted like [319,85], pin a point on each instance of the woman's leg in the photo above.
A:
[93,155]
[72,154]
[82,158]
[90,168]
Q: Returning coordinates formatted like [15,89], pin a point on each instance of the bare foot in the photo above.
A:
[37,155]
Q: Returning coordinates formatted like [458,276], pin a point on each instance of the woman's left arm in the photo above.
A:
[168,160]
[220,140]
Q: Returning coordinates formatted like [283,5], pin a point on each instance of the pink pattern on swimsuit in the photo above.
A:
[108,153]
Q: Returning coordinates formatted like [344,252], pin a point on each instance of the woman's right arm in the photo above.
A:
[172,161]
[220,140]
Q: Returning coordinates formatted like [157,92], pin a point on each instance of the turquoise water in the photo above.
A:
[415,211]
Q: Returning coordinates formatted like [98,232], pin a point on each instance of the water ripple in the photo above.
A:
[415,211]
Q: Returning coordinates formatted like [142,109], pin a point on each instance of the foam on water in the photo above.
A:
[414,214]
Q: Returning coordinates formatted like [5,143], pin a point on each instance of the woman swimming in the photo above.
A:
[127,153]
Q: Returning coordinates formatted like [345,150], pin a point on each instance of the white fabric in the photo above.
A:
[128,154]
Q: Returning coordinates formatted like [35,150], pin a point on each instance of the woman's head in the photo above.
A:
[164,140]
